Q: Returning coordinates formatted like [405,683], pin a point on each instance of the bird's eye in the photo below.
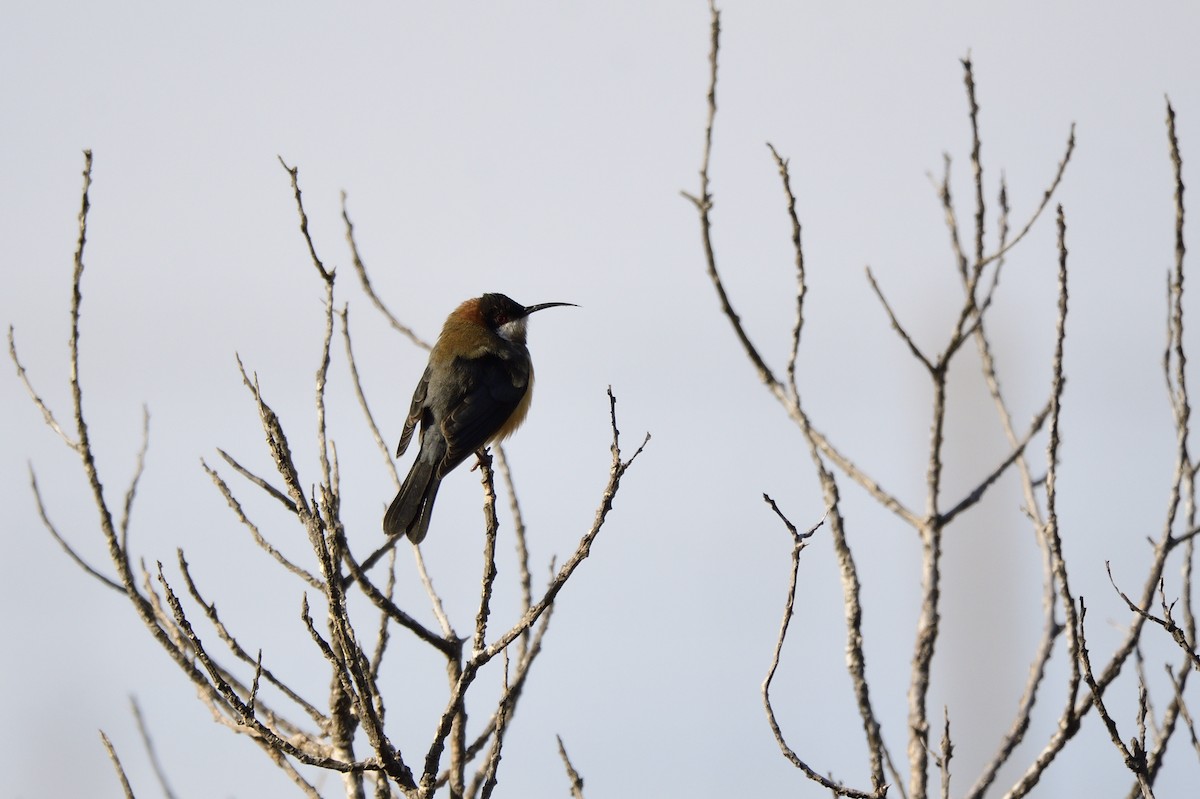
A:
[501,319]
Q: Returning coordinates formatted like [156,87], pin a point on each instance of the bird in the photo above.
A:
[476,390]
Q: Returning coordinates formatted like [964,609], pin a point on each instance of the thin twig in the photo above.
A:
[976,163]
[254,478]
[1068,723]
[616,472]
[1017,453]
[294,172]
[513,689]
[258,537]
[1187,717]
[514,506]
[799,542]
[369,290]
[819,445]
[1051,629]
[798,249]
[1135,760]
[904,336]
[376,435]
[1178,635]
[245,713]
[704,203]
[944,194]
[116,761]
[471,667]
[47,414]
[62,542]
[446,643]
[210,611]
[488,782]
[491,525]
[1049,193]
[148,744]
[138,470]
[572,774]
[946,754]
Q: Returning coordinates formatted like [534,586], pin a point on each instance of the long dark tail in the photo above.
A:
[412,508]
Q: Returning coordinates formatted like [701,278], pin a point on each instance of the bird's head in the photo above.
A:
[505,316]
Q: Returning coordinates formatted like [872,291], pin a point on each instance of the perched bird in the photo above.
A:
[475,390]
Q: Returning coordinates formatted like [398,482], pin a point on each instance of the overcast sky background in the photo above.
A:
[539,149]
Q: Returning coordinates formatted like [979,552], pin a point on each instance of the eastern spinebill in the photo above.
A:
[476,390]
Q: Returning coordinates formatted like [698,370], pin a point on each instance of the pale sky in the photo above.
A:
[539,149]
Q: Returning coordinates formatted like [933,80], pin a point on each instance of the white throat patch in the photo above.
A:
[513,330]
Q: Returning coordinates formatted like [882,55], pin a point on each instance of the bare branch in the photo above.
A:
[62,542]
[383,636]
[512,690]
[1177,388]
[47,414]
[1062,168]
[514,506]
[1135,760]
[356,703]
[294,172]
[801,286]
[905,337]
[435,600]
[210,611]
[245,714]
[928,628]
[148,743]
[826,448]
[369,290]
[572,774]
[262,542]
[491,526]
[1018,452]
[799,542]
[1052,528]
[493,761]
[362,397]
[947,753]
[1068,723]
[448,644]
[976,164]
[465,677]
[137,476]
[254,478]
[704,204]
[1167,623]
[116,761]
[1176,684]
[944,194]
[278,446]
[796,534]
[1051,629]
[616,472]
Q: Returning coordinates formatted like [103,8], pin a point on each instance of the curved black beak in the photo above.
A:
[543,305]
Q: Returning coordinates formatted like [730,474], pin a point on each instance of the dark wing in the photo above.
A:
[495,387]
[415,411]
